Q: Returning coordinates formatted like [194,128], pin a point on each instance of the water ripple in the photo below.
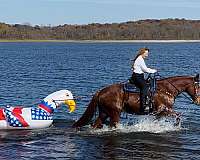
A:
[31,71]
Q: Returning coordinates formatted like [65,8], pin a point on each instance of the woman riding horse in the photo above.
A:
[139,68]
[113,100]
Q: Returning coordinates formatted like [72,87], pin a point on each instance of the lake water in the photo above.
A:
[31,71]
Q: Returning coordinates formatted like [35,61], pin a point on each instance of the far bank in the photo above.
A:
[105,41]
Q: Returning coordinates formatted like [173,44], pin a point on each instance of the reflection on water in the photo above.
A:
[30,71]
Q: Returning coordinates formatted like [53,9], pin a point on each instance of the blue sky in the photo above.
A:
[59,12]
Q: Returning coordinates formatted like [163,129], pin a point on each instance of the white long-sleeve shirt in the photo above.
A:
[140,67]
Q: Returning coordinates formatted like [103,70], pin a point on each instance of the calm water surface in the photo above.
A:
[31,71]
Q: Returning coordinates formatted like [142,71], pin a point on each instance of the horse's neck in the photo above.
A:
[175,85]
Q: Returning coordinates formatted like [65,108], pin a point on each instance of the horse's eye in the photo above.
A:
[67,94]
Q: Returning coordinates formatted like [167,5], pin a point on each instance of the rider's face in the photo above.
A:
[145,54]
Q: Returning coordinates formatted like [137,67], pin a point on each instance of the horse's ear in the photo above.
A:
[196,78]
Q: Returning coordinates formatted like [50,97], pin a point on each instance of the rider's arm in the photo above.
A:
[145,68]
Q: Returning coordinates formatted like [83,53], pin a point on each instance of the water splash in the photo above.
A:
[143,124]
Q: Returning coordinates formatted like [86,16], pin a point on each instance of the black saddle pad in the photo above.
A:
[129,87]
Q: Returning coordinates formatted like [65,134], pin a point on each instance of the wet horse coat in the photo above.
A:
[112,100]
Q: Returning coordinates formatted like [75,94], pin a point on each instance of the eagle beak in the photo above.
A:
[71,104]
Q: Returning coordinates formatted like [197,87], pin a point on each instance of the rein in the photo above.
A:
[179,92]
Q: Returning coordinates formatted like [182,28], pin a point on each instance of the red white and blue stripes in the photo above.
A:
[14,117]
[47,107]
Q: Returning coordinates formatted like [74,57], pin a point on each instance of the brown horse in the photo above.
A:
[113,100]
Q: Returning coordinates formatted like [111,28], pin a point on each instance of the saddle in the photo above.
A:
[130,87]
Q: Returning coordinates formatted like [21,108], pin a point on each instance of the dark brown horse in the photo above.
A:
[113,100]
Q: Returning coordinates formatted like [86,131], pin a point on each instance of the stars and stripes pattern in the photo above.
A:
[14,119]
[14,116]
[40,114]
[47,107]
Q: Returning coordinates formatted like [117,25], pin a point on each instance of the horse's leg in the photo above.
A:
[176,115]
[114,119]
[165,111]
[99,121]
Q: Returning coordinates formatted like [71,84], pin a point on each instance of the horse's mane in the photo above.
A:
[173,78]
[160,80]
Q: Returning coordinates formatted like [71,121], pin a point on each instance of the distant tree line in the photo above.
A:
[149,29]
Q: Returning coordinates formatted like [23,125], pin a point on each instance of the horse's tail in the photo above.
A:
[88,114]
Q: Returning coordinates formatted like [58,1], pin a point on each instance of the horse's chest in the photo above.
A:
[165,99]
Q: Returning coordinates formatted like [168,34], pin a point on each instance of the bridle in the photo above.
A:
[196,89]
[196,85]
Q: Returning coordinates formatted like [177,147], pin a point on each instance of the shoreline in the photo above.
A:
[106,41]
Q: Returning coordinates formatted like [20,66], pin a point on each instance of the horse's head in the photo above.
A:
[62,97]
[197,89]
[194,89]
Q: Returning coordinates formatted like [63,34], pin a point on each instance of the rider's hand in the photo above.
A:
[155,70]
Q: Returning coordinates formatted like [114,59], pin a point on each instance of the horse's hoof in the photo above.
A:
[177,121]
[77,129]
[99,126]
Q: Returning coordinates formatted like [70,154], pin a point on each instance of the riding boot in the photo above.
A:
[143,100]
[142,105]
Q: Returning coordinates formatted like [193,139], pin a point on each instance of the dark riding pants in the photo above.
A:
[139,81]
